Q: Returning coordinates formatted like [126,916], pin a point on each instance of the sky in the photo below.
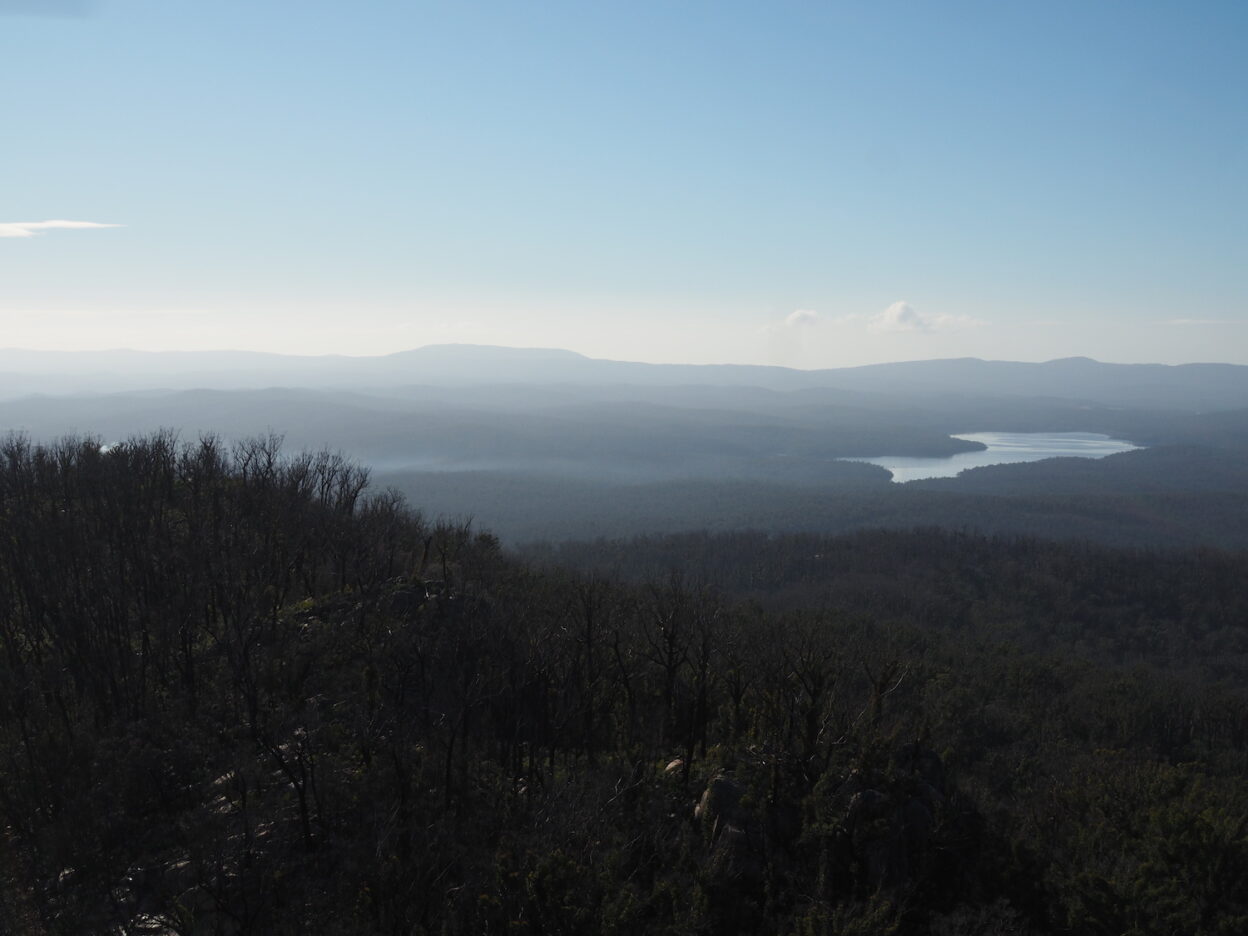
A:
[814,184]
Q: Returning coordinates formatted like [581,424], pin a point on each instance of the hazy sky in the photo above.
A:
[813,184]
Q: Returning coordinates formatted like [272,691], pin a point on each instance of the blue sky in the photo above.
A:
[813,184]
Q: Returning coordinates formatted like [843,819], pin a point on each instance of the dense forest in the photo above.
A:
[1168,496]
[244,693]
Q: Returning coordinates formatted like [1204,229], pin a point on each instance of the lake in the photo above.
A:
[1004,448]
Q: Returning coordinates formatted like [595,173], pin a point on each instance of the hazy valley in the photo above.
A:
[536,444]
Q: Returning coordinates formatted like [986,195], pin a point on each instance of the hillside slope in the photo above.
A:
[239,694]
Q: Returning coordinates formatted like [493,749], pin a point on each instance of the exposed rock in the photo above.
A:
[407,599]
[721,798]
[879,829]
[892,819]
[737,846]
[736,854]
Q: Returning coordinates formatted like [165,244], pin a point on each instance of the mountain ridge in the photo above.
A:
[1198,385]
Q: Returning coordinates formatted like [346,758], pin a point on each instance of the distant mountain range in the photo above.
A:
[1198,387]
[543,443]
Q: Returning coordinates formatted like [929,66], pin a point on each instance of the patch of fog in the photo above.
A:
[1002,448]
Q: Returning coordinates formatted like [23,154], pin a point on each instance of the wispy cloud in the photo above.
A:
[903,317]
[788,337]
[797,319]
[801,317]
[33,228]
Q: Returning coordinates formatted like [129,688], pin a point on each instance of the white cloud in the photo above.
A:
[32,228]
[903,317]
[799,318]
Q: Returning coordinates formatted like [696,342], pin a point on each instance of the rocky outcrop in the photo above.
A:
[732,832]
[874,829]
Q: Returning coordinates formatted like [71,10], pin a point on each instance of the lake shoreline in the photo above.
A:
[1000,448]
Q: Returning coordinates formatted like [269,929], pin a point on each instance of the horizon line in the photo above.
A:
[568,351]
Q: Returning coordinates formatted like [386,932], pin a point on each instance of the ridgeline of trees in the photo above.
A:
[1115,507]
[239,693]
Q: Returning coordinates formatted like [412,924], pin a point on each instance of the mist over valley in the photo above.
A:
[545,444]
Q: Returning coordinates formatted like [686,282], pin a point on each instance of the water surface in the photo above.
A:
[1004,448]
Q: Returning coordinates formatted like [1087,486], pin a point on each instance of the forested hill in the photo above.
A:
[241,693]
[1198,387]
